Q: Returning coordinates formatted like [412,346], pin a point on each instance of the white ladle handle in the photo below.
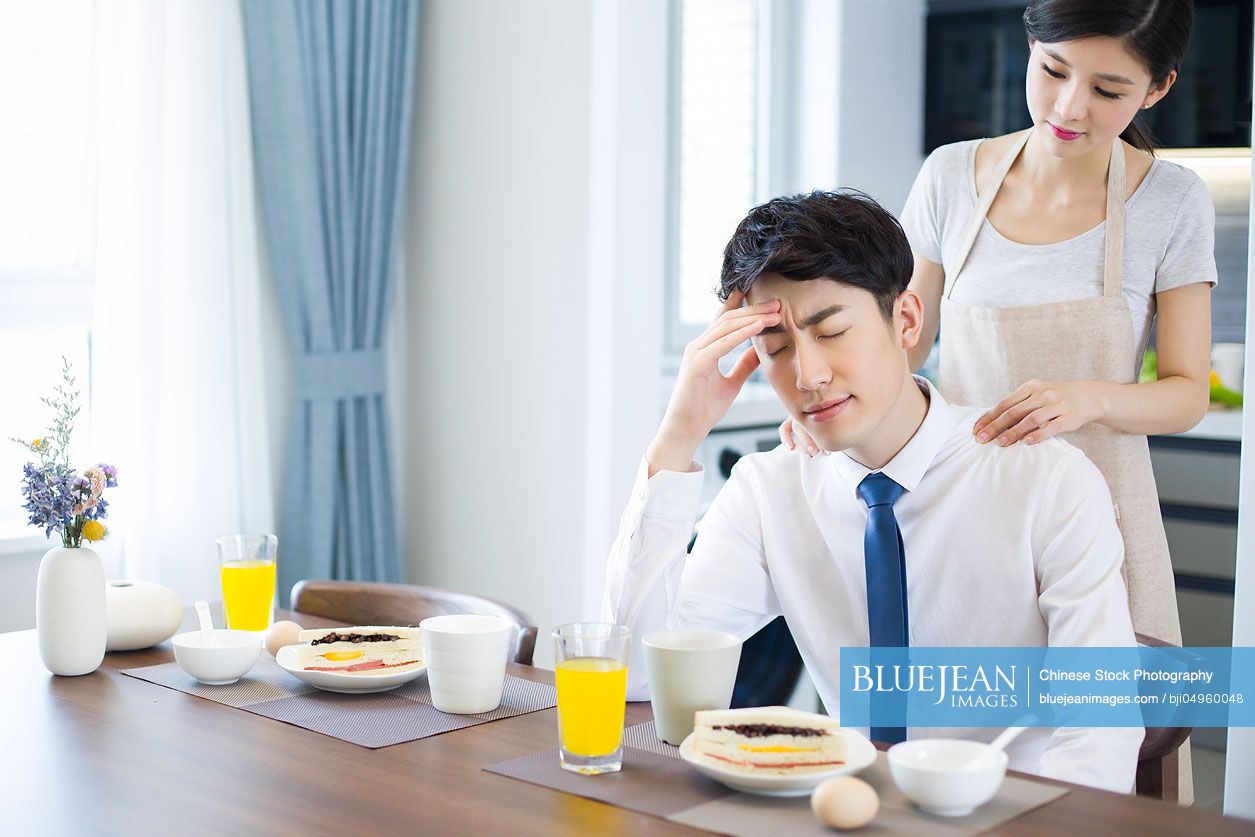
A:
[1008,735]
[206,625]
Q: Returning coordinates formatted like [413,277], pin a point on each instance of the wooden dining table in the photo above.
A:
[105,753]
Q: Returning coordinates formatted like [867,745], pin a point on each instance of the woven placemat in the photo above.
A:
[655,781]
[371,720]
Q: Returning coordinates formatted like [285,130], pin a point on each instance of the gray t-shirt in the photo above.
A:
[1169,241]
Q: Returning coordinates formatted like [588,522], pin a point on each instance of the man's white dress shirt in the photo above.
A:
[1012,546]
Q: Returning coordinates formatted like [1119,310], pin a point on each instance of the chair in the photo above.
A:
[374,603]
[1158,762]
[770,667]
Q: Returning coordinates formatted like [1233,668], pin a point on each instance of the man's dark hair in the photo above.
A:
[843,235]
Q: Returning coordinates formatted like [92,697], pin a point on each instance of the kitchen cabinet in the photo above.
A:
[1197,477]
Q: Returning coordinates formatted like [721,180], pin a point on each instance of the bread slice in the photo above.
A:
[769,740]
[361,650]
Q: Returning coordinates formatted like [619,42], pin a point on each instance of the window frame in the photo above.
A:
[773,154]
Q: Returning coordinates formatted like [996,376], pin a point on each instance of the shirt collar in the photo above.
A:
[909,466]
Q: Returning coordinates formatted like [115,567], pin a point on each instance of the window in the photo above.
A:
[47,166]
[719,150]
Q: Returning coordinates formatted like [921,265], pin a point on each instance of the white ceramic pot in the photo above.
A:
[140,614]
[70,615]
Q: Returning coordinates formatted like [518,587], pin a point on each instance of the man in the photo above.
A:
[964,544]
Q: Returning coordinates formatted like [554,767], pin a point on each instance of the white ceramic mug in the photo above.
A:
[688,671]
[466,658]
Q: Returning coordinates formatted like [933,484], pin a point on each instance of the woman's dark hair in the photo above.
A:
[1155,32]
[843,235]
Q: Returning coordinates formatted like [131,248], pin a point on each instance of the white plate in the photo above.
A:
[289,659]
[859,754]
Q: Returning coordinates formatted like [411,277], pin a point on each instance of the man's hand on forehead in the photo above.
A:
[702,393]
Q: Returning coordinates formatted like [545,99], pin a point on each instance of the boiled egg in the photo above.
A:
[845,802]
[280,634]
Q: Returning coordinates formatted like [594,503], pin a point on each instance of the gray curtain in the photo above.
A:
[331,85]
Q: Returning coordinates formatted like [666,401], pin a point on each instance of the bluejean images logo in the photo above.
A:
[1057,687]
[957,685]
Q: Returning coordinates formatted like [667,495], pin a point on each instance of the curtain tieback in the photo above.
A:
[348,374]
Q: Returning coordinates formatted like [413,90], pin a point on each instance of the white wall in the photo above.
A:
[626,265]
[880,97]
[515,275]
[857,117]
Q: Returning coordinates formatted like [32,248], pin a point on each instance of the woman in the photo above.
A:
[1045,255]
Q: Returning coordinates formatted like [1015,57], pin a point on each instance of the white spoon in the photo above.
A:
[206,625]
[996,746]
[1008,735]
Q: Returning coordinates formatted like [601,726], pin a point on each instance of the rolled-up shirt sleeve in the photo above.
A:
[652,583]
[1083,600]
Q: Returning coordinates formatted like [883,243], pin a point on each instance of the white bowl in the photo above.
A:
[946,776]
[230,659]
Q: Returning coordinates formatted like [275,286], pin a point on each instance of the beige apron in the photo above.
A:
[986,353]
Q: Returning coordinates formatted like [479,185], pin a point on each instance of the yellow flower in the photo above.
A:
[94,530]
[37,443]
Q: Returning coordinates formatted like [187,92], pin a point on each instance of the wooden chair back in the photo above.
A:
[375,603]
[1158,763]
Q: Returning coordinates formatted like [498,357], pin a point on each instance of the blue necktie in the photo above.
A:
[885,562]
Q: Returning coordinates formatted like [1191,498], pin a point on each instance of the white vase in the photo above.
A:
[70,616]
[140,614]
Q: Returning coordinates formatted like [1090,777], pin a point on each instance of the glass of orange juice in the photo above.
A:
[591,676]
[247,564]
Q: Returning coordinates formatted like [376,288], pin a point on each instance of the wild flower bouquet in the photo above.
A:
[58,498]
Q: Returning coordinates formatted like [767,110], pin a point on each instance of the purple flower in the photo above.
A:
[111,475]
[49,497]
[97,511]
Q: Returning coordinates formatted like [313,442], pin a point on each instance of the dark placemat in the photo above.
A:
[655,781]
[649,783]
[746,815]
[372,720]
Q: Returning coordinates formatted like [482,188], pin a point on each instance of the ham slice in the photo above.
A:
[374,664]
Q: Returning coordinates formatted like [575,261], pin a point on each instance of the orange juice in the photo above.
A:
[591,696]
[248,588]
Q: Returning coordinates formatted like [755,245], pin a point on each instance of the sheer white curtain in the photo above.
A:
[180,382]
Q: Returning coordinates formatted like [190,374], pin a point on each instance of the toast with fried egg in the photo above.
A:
[361,649]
